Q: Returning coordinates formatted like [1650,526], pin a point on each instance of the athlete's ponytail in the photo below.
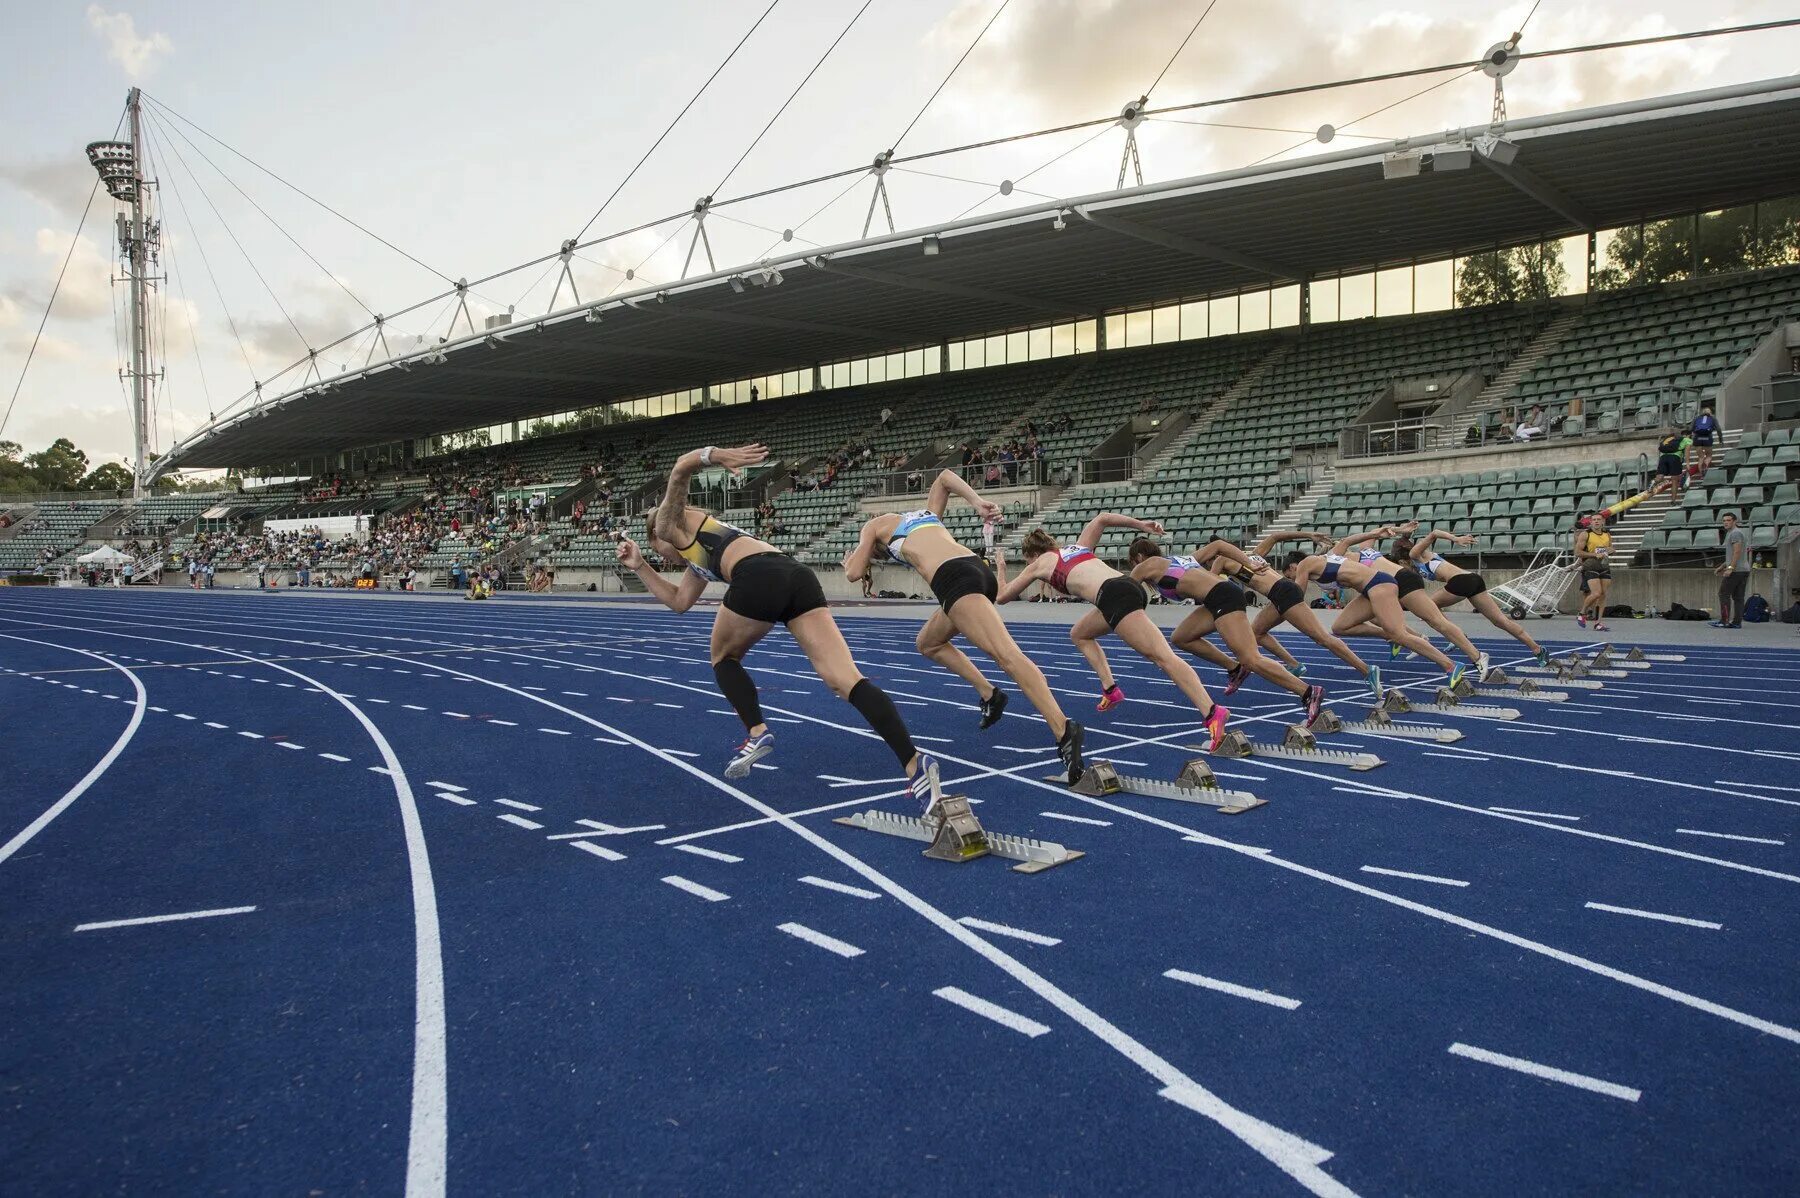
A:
[1037,542]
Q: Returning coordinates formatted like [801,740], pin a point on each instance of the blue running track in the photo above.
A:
[468,909]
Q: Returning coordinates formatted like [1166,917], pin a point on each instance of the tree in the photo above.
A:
[109,476]
[61,467]
[10,451]
[1526,272]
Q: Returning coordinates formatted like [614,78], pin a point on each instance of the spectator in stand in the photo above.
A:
[915,480]
[887,414]
[1532,426]
[754,393]
[1734,574]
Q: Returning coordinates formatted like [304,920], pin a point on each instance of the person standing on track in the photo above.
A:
[1593,545]
[765,587]
[1734,575]
[965,588]
[1221,609]
[1119,606]
[1460,584]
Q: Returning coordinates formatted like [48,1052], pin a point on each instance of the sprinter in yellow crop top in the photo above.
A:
[764,587]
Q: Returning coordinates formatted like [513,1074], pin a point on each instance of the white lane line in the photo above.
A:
[154,707]
[521,821]
[447,786]
[414,707]
[456,715]
[365,700]
[1000,929]
[1076,819]
[1457,756]
[287,744]
[1254,995]
[685,753]
[987,1010]
[674,706]
[841,888]
[1574,819]
[381,769]
[182,715]
[1730,836]
[1757,786]
[607,740]
[577,694]
[210,724]
[599,850]
[713,854]
[504,723]
[334,757]
[1401,873]
[693,888]
[1525,731]
[1548,1073]
[1680,919]
[514,803]
[554,731]
[131,923]
[830,944]
[252,735]
[454,798]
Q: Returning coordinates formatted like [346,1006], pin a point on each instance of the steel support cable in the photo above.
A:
[156,167]
[426,266]
[279,227]
[807,78]
[206,260]
[51,303]
[1178,49]
[248,261]
[929,100]
[692,100]
[1461,73]
[1089,140]
[1170,120]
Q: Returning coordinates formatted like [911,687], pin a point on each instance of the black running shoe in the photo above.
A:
[1315,698]
[992,708]
[1069,749]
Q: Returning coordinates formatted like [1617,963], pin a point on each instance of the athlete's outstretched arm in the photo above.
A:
[1096,528]
[674,501]
[1374,534]
[949,483]
[1275,538]
[675,596]
[856,562]
[1037,569]
[1232,553]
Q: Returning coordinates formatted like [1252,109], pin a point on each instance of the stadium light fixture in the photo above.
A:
[737,284]
[930,243]
[1497,149]
[1456,156]
[1401,164]
[593,314]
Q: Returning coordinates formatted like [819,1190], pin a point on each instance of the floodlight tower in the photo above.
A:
[121,168]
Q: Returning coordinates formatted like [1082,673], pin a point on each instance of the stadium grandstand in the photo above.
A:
[1546,364]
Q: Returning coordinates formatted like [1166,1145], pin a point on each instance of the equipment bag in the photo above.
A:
[1756,610]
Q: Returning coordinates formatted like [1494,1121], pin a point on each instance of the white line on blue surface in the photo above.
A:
[841,888]
[600,851]
[1547,1072]
[530,825]
[1731,836]
[830,944]
[712,854]
[1254,995]
[454,798]
[1401,873]
[1574,819]
[143,919]
[1000,929]
[1658,916]
[515,804]
[1076,819]
[988,1010]
[693,888]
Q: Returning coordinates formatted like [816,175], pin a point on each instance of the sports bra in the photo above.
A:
[1428,567]
[1067,560]
[909,522]
[705,554]
[1328,576]
[1168,586]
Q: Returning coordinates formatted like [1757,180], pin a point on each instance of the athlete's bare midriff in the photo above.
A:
[929,546]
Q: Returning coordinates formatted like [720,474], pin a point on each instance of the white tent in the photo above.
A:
[106,555]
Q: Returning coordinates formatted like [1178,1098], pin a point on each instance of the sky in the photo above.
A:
[475,137]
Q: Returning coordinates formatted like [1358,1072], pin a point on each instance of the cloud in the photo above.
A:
[123,45]
[62,184]
[86,292]
[50,348]
[322,313]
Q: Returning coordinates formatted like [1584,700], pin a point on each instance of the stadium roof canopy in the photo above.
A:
[1316,217]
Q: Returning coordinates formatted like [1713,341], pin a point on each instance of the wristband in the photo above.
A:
[706,455]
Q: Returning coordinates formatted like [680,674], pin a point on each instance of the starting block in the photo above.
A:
[1496,677]
[1464,688]
[1195,783]
[1527,689]
[1565,678]
[1451,704]
[954,834]
[1297,745]
[1395,702]
[1635,654]
[1380,723]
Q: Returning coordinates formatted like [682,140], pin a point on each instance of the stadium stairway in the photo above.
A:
[1299,514]
[1500,391]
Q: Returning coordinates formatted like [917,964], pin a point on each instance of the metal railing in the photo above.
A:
[1392,437]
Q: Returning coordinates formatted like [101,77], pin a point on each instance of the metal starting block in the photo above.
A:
[1564,678]
[1380,723]
[956,835]
[1395,702]
[1464,688]
[1328,722]
[1527,689]
[1496,677]
[1449,704]
[1297,745]
[1636,654]
[1195,783]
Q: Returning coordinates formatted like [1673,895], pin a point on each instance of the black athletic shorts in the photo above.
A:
[1669,465]
[1602,572]
[1466,586]
[1409,580]
[1118,598]
[1285,594]
[773,587]
[963,576]
[1223,599]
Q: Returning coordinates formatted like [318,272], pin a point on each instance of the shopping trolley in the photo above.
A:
[1539,590]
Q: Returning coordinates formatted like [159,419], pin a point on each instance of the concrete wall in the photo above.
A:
[1739,395]
[1554,452]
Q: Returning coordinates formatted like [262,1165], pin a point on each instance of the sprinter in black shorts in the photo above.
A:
[1461,584]
[965,588]
[766,587]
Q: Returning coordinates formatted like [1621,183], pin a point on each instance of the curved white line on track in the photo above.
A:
[25,834]
[427,1137]
[1290,1153]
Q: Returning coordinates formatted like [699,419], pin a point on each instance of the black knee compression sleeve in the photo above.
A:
[879,710]
[739,691]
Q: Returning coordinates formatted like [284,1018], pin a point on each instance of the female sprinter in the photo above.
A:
[965,589]
[1460,584]
[1376,606]
[1119,605]
[1593,547]
[1222,608]
[766,587]
[1287,602]
[1412,594]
